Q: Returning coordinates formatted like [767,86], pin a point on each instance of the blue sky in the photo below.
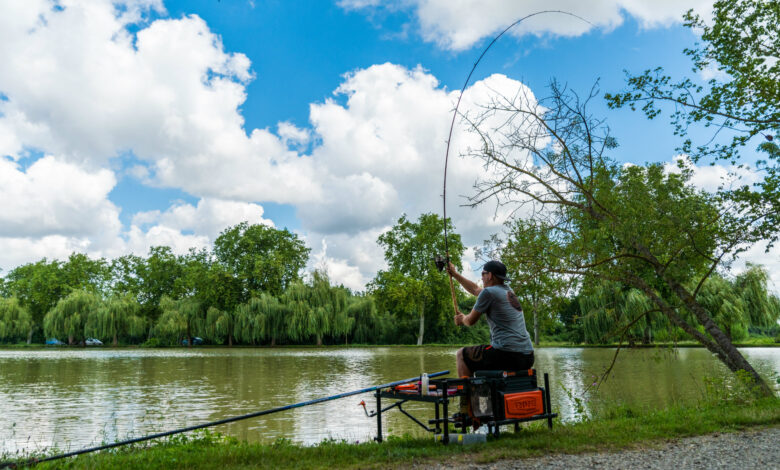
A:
[131,123]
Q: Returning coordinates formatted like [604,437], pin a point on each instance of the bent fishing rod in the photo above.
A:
[30,462]
[442,263]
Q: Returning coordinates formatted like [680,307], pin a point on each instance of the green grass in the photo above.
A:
[617,427]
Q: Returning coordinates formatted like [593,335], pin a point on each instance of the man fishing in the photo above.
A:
[510,345]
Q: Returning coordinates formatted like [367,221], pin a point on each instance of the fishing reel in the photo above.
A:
[441,262]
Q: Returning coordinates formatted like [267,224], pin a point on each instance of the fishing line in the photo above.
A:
[452,126]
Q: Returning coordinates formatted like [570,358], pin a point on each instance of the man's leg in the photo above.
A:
[463,370]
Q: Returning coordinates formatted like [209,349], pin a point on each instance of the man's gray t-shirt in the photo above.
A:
[505,318]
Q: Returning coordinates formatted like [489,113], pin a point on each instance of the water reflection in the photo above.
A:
[72,398]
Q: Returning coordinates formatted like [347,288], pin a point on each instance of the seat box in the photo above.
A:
[523,405]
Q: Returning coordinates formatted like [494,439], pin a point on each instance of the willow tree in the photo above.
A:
[612,311]
[763,308]
[180,318]
[221,324]
[342,324]
[642,226]
[15,321]
[329,304]
[69,316]
[367,327]
[250,322]
[261,318]
[726,307]
[300,323]
[115,317]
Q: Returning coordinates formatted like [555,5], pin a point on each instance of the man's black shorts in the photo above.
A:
[485,357]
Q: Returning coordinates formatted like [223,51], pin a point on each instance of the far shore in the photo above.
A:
[543,345]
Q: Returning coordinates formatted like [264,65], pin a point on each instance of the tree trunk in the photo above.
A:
[422,327]
[230,340]
[29,335]
[189,338]
[319,340]
[116,340]
[70,340]
[735,360]
[721,345]
[273,341]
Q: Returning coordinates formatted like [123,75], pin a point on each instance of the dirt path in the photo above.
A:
[752,449]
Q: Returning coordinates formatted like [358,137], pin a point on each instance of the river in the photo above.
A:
[74,397]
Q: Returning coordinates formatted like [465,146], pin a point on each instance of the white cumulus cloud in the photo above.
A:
[52,197]
[459,24]
[208,218]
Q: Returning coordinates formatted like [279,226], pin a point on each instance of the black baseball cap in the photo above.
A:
[497,269]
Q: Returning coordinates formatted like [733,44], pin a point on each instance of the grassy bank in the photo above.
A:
[613,428]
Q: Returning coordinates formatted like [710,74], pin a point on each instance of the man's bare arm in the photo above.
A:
[467,320]
[470,286]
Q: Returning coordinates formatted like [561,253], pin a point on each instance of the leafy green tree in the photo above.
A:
[125,277]
[412,286]
[38,287]
[222,290]
[15,321]
[199,277]
[160,275]
[741,42]
[80,272]
[528,259]
[406,296]
[264,259]
[115,317]
[570,316]
[69,316]
[641,226]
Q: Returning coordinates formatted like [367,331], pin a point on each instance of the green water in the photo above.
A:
[71,398]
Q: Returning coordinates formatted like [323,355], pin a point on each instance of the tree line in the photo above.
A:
[250,289]
[247,290]
[167,299]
